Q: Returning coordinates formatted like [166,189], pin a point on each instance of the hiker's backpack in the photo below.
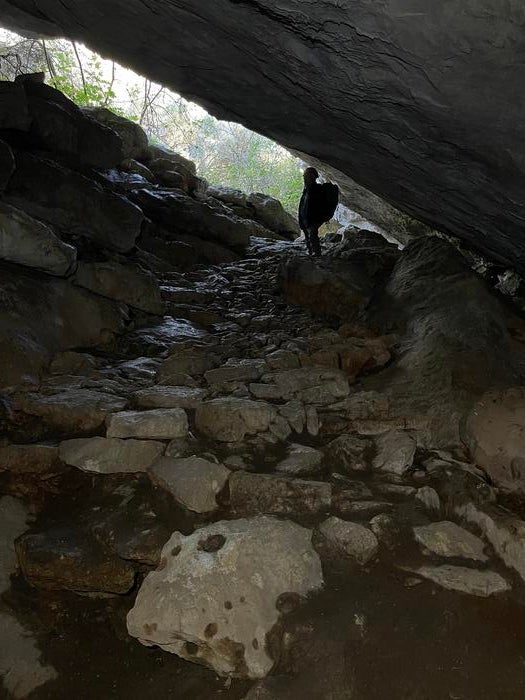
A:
[328,200]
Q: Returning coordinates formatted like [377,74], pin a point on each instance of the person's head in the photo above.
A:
[310,176]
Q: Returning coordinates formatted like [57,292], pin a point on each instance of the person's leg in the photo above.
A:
[307,240]
[315,244]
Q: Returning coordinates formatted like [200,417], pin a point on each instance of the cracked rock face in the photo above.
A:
[416,101]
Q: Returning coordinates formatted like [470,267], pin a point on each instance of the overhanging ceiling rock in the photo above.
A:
[420,101]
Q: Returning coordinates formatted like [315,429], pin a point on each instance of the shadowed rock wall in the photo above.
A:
[416,100]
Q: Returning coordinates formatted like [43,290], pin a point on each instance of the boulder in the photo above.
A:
[395,452]
[110,455]
[182,215]
[301,460]
[159,424]
[127,283]
[193,482]
[133,137]
[230,419]
[73,411]
[215,597]
[446,350]
[40,315]
[64,559]
[494,435]
[446,539]
[7,164]
[251,494]
[14,112]
[349,453]
[28,242]
[263,208]
[459,578]
[158,151]
[59,126]
[349,540]
[169,397]
[73,203]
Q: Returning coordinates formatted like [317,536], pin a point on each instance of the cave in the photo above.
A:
[230,469]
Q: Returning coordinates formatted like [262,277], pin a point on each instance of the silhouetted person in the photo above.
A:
[318,204]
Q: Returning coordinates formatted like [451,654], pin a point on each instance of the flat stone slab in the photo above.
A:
[110,455]
[192,481]
[446,539]
[230,419]
[159,424]
[161,396]
[464,580]
[217,593]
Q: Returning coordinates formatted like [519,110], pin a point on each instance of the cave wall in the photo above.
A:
[418,101]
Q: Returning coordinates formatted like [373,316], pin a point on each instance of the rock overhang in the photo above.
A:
[416,101]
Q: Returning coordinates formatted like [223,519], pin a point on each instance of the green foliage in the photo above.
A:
[86,86]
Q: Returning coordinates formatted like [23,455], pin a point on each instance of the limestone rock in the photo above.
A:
[230,419]
[59,126]
[61,559]
[236,371]
[70,362]
[429,497]
[446,539]
[133,137]
[41,315]
[252,494]
[494,435]
[160,424]
[28,459]
[73,203]
[7,164]
[315,285]
[72,411]
[267,210]
[215,596]
[160,396]
[309,384]
[505,532]
[110,455]
[395,452]
[127,283]
[194,482]
[349,539]
[301,460]
[194,362]
[25,241]
[459,578]
[350,453]
[180,215]
[14,112]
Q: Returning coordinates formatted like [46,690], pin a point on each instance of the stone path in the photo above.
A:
[241,467]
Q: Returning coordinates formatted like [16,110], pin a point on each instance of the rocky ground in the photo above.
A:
[229,470]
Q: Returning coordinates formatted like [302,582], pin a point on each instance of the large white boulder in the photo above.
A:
[215,596]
